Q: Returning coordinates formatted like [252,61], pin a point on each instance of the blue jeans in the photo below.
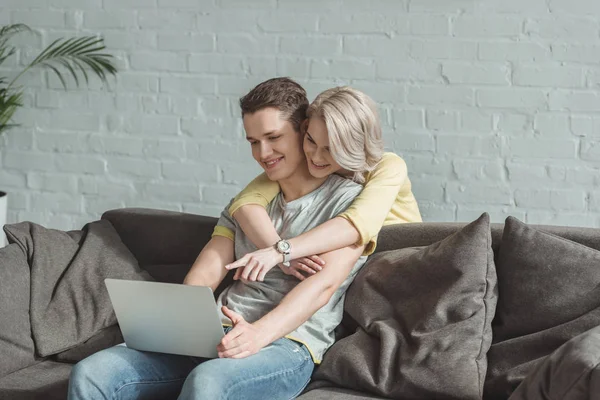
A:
[279,371]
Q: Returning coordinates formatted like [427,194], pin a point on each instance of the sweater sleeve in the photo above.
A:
[369,210]
[260,191]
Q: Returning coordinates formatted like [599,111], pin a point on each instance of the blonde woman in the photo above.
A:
[342,135]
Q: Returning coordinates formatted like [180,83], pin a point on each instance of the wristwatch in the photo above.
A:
[284,247]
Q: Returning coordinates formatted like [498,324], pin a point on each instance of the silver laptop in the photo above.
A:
[167,317]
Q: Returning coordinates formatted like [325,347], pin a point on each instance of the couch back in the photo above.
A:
[158,237]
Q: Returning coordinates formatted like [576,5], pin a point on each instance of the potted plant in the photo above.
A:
[75,56]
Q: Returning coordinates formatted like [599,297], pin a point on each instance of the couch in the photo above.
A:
[519,306]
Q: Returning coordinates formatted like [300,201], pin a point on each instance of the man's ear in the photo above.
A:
[304,126]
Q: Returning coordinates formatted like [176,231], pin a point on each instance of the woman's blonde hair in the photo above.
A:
[353,127]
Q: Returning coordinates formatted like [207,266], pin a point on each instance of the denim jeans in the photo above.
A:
[279,371]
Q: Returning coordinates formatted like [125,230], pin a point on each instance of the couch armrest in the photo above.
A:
[161,237]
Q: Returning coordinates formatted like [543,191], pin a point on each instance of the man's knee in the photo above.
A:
[204,382]
[94,376]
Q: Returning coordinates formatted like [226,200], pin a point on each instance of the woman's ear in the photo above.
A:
[304,126]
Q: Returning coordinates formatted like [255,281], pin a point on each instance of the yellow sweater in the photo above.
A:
[386,199]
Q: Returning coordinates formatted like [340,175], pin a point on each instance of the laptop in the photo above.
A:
[166,317]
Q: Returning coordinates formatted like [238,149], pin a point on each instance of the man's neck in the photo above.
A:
[299,184]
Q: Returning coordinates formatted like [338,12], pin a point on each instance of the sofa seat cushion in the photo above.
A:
[423,321]
[17,349]
[107,337]
[48,380]
[570,373]
[337,394]
[549,292]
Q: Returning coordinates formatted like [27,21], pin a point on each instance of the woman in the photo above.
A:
[342,136]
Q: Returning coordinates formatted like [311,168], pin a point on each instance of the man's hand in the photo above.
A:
[254,266]
[243,340]
[310,265]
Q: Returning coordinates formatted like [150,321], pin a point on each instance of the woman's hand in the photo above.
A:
[254,266]
[243,340]
[310,265]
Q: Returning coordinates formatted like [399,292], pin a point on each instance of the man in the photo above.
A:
[279,327]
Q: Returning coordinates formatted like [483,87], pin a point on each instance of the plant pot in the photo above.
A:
[3,207]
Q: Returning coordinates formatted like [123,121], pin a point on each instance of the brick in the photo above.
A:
[559,219]
[137,82]
[134,168]
[382,92]
[52,182]
[584,125]
[108,20]
[552,125]
[375,46]
[30,3]
[171,21]
[60,221]
[235,86]
[590,150]
[178,4]
[476,121]
[280,22]
[233,21]
[498,214]
[440,95]
[158,61]
[595,201]
[427,24]
[450,6]
[81,164]
[478,26]
[583,176]
[40,19]
[18,201]
[160,125]
[431,190]
[435,212]
[156,104]
[512,98]
[187,86]
[29,161]
[558,200]
[237,4]
[479,194]
[350,69]
[581,7]
[370,23]
[409,71]
[443,49]
[427,164]
[529,7]
[463,145]
[593,78]
[58,99]
[19,138]
[562,28]
[408,118]
[125,146]
[526,173]
[189,43]
[292,66]
[101,204]
[219,194]
[189,172]
[239,173]
[129,4]
[487,74]
[545,75]
[265,67]
[562,100]
[60,202]
[422,141]
[203,129]
[12,179]
[310,46]
[246,44]
[62,142]
[514,51]
[164,149]
[438,120]
[177,192]
[575,52]
[542,148]
[202,209]
[515,123]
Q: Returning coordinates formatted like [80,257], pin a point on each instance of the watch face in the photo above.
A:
[283,246]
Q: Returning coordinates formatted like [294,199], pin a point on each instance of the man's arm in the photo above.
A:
[209,267]
[295,308]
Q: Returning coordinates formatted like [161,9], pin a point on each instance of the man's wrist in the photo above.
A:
[266,334]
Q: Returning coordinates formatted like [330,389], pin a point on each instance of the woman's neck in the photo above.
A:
[299,184]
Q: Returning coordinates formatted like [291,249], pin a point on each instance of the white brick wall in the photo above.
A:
[494,104]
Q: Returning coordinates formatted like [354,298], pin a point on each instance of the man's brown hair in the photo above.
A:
[281,93]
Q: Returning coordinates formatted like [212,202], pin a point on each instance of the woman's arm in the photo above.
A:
[359,224]
[208,269]
[296,307]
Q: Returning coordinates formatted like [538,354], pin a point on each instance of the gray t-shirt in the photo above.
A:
[253,300]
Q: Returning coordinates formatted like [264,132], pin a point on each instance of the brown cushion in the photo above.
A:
[16,345]
[549,292]
[423,319]
[570,373]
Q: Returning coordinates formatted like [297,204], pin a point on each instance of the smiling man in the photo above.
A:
[277,329]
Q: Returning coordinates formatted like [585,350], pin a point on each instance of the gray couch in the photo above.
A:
[408,338]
